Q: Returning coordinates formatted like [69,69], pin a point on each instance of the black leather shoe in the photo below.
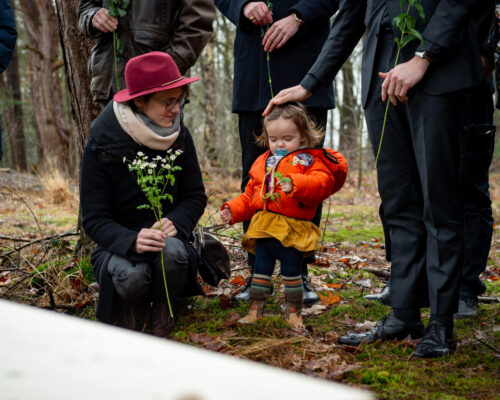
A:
[244,295]
[387,328]
[467,308]
[438,341]
[309,296]
[384,296]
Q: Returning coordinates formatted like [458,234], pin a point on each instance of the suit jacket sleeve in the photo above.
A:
[194,28]
[442,29]
[347,30]
[191,200]
[8,34]
[311,10]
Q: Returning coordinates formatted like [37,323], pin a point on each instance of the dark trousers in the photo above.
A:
[477,143]
[270,250]
[419,184]
[250,124]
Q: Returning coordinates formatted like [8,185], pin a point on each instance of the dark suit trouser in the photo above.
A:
[476,151]
[418,178]
[250,124]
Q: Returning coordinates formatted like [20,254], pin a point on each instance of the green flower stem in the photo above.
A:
[165,280]
[115,61]
[388,101]
[269,74]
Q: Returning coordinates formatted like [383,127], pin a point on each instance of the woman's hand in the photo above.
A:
[149,239]
[167,227]
[258,13]
[225,215]
[103,21]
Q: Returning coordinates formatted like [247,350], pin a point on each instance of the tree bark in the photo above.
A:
[348,129]
[208,79]
[45,85]
[13,112]
[76,51]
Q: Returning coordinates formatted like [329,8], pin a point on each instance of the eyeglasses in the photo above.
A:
[170,104]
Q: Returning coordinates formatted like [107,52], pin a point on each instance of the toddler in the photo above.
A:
[287,183]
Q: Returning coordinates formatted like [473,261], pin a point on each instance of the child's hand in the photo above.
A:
[225,215]
[286,185]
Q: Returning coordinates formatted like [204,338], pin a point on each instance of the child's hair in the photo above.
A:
[311,133]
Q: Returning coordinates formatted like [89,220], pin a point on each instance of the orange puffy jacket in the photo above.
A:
[315,173]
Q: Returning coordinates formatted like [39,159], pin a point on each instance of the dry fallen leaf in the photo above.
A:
[329,299]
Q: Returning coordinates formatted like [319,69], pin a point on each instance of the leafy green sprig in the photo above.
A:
[117,9]
[153,177]
[268,56]
[406,24]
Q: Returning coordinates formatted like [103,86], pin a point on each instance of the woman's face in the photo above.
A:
[163,106]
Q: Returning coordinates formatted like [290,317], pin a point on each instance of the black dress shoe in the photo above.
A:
[309,296]
[467,308]
[438,341]
[387,328]
[384,296]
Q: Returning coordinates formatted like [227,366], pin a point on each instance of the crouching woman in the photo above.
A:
[142,125]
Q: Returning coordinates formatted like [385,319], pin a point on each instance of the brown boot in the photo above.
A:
[162,322]
[293,317]
[134,316]
[256,312]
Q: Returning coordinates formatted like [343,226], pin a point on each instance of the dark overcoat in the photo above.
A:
[288,65]
[110,195]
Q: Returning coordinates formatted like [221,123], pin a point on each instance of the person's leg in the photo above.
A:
[291,271]
[249,124]
[265,259]
[477,141]
[176,268]
[435,136]
[320,117]
[131,282]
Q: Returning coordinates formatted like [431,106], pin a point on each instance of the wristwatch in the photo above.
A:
[297,18]
[425,55]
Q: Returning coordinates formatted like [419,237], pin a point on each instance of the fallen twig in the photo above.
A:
[489,299]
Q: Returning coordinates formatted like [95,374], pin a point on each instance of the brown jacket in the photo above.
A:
[181,28]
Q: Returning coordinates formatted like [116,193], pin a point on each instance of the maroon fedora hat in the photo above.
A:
[150,73]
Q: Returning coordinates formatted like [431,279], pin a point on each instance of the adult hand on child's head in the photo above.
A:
[225,215]
[258,13]
[167,227]
[103,21]
[295,93]
[149,239]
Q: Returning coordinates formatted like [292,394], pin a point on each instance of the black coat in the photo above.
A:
[8,33]
[289,64]
[109,197]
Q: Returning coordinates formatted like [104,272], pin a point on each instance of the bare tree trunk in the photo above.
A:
[348,132]
[46,93]
[76,48]
[208,78]
[13,112]
[76,51]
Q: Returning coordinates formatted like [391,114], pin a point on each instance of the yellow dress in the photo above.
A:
[291,232]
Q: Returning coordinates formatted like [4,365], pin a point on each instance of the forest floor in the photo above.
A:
[39,265]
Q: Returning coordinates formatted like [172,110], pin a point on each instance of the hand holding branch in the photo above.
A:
[402,78]
[149,239]
[225,215]
[104,22]
[167,227]
[258,13]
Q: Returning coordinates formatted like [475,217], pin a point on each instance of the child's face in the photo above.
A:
[283,135]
